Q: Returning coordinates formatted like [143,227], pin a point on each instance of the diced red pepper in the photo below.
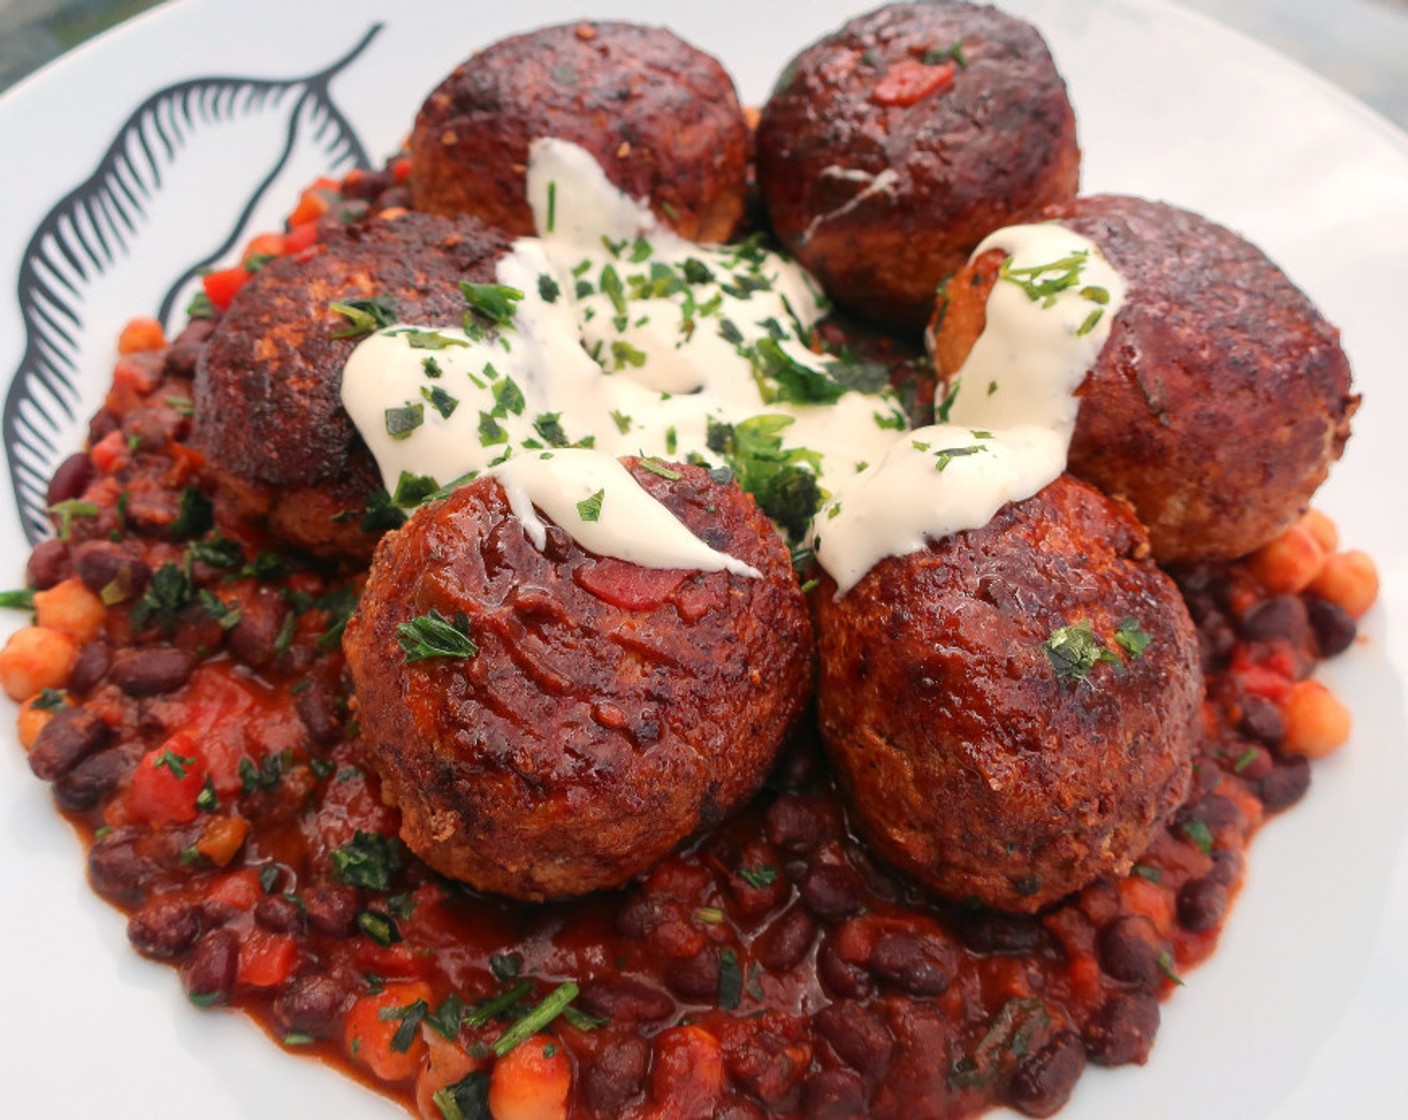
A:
[266,959]
[401,169]
[167,782]
[109,452]
[221,285]
[265,245]
[239,890]
[300,237]
[910,81]
[314,203]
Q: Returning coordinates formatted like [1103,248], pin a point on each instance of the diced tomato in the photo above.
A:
[109,452]
[264,245]
[398,961]
[141,334]
[629,586]
[221,285]
[239,890]
[910,81]
[1270,678]
[167,782]
[266,959]
[300,237]
[314,202]
[401,168]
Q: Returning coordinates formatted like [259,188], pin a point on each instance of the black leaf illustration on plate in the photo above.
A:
[260,140]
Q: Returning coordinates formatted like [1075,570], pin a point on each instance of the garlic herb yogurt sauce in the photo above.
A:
[608,335]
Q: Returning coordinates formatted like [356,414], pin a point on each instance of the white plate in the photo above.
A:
[1303,1010]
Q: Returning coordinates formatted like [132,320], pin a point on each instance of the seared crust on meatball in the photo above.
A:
[661,118]
[268,408]
[892,147]
[973,764]
[1221,397]
[611,710]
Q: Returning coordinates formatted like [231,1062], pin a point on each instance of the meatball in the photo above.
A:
[661,118]
[610,712]
[268,410]
[892,147]
[1221,397]
[1000,727]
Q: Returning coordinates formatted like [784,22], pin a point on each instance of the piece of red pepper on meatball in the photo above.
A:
[268,409]
[661,117]
[1221,396]
[890,148]
[609,711]
[1013,710]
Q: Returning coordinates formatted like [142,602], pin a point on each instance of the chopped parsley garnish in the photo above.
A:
[655,466]
[365,315]
[778,478]
[948,454]
[945,406]
[412,489]
[168,593]
[1245,759]
[624,354]
[952,53]
[1144,871]
[226,614]
[548,425]
[589,509]
[429,340]
[1074,651]
[207,801]
[730,980]
[381,515]
[402,421]
[178,764]
[430,367]
[195,515]
[548,288]
[379,927]
[796,381]
[265,775]
[49,699]
[200,307]
[508,397]
[496,303]
[1199,834]
[696,271]
[490,430]
[506,966]
[622,421]
[368,860]
[1165,962]
[215,551]
[467,1098]
[438,399]
[1131,638]
[434,635]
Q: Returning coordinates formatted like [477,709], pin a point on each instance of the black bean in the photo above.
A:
[1129,950]
[279,914]
[616,1075]
[1122,1030]
[786,941]
[841,978]
[103,423]
[317,708]
[831,891]
[118,868]
[1201,904]
[1285,785]
[1280,617]
[624,1000]
[1226,867]
[209,972]
[90,667]
[107,568]
[860,1040]
[992,931]
[152,670]
[184,353]
[696,977]
[66,740]
[1334,627]
[332,909]
[70,479]
[91,780]
[797,824]
[923,964]
[164,930]
[1217,812]
[833,1094]
[312,1004]
[49,564]
[1261,719]
[1044,1080]
[254,639]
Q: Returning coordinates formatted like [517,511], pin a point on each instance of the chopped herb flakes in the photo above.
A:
[368,860]
[1074,651]
[364,315]
[538,1018]
[589,509]
[433,635]
[402,421]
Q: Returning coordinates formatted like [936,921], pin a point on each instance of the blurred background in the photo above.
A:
[1360,45]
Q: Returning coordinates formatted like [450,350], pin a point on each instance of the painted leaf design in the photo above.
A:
[196,170]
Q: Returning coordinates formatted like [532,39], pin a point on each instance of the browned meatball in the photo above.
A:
[268,410]
[661,118]
[1221,397]
[997,734]
[610,711]
[892,147]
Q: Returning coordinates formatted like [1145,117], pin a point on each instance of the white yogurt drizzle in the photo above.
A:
[1005,425]
[628,340]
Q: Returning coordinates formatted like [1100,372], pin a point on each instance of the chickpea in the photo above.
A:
[531,1082]
[1322,528]
[35,658]
[70,608]
[1316,722]
[1350,580]
[31,722]
[1287,563]
[140,334]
